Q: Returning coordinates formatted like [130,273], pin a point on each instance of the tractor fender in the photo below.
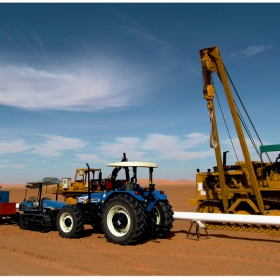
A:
[102,197]
[110,195]
[158,196]
[121,193]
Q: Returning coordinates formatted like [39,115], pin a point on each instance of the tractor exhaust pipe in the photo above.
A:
[225,158]
[228,218]
[89,197]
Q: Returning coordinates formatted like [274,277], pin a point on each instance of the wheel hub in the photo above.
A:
[68,222]
[119,221]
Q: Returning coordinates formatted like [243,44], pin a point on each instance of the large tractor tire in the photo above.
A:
[162,215]
[123,220]
[69,222]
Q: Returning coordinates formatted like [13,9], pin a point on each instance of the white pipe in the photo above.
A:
[228,218]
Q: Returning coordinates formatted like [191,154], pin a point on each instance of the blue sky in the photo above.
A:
[83,83]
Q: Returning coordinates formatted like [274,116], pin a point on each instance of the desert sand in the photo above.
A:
[225,253]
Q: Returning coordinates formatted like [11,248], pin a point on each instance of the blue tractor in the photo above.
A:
[39,213]
[126,212]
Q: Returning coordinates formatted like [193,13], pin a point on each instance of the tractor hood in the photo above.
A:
[53,204]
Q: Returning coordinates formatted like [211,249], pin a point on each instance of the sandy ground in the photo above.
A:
[226,253]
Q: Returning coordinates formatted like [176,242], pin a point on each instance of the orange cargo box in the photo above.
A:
[8,208]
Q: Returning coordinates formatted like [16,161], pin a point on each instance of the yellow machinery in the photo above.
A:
[248,187]
[71,190]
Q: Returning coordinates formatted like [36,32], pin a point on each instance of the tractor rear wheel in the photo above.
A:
[69,221]
[162,215]
[123,220]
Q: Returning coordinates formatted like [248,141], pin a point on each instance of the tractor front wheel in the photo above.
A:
[69,222]
[123,220]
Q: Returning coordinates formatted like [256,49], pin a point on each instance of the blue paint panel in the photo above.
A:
[4,196]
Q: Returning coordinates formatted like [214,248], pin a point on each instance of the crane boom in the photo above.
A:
[211,62]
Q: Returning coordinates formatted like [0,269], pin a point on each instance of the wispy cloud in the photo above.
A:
[252,50]
[176,148]
[237,155]
[171,56]
[55,145]
[149,39]
[10,146]
[129,145]
[88,86]
[159,146]
[13,166]
[150,148]
[94,158]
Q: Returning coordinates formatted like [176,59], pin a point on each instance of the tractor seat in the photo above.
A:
[34,200]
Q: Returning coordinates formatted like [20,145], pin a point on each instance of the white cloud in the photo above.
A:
[86,86]
[154,147]
[14,166]
[236,154]
[150,40]
[194,139]
[157,146]
[55,145]
[252,50]
[128,145]
[13,146]
[160,142]
[91,159]
[172,147]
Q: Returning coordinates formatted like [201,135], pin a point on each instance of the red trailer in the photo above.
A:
[7,209]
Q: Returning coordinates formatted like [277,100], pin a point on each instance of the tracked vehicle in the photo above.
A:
[247,187]
[39,213]
[126,212]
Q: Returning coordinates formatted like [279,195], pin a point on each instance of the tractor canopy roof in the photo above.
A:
[46,181]
[270,148]
[132,164]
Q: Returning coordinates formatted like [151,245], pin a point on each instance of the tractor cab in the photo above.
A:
[129,183]
[37,203]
